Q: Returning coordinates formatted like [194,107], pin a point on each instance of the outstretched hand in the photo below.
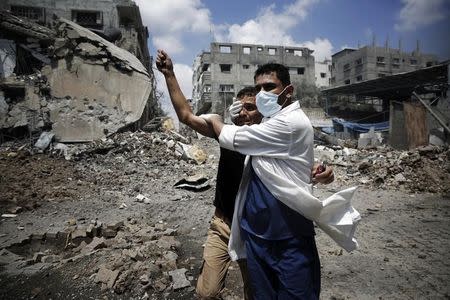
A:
[164,63]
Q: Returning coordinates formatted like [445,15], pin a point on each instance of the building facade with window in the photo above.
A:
[101,16]
[355,65]
[228,67]
[323,73]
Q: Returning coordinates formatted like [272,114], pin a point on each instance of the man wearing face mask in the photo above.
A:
[243,112]
[273,219]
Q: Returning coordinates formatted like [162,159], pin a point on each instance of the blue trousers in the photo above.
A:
[285,269]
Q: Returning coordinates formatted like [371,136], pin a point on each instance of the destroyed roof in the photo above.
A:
[85,87]
[24,27]
[123,55]
[398,86]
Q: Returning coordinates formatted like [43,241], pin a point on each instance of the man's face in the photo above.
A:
[249,114]
[270,83]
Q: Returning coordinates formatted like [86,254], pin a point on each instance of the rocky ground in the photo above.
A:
[126,219]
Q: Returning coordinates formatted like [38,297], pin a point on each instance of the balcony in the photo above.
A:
[205,77]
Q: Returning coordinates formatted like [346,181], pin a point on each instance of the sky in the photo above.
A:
[185,28]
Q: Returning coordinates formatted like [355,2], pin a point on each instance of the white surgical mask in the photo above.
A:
[267,103]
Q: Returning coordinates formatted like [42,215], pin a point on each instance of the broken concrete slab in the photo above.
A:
[179,279]
[97,243]
[44,140]
[94,88]
[75,31]
[107,276]
[7,257]
[95,102]
[7,58]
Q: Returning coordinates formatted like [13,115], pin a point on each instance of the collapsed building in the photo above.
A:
[77,82]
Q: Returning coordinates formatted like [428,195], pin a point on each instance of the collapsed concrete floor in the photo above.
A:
[71,81]
[109,223]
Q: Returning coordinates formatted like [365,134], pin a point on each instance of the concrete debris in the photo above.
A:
[107,276]
[84,88]
[140,251]
[7,257]
[24,28]
[130,262]
[191,152]
[196,183]
[15,210]
[44,140]
[425,169]
[8,59]
[132,145]
[143,199]
[400,178]
[9,215]
[369,139]
[97,103]
[179,279]
[37,257]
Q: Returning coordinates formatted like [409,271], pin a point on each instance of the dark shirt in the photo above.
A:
[270,219]
[229,174]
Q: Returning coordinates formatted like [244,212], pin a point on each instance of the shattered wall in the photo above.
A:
[89,89]
[7,58]
[102,87]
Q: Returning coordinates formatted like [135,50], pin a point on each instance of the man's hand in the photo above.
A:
[322,176]
[164,63]
[234,109]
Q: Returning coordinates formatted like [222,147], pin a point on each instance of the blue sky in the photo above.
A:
[184,28]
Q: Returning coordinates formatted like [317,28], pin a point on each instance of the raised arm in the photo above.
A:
[181,106]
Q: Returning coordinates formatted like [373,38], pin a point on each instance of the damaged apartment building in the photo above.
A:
[384,94]
[228,67]
[81,69]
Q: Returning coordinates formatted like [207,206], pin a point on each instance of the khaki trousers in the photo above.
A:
[216,261]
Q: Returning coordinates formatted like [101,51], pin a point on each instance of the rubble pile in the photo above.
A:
[139,146]
[114,219]
[425,169]
[123,257]
[127,173]
[118,161]
[24,103]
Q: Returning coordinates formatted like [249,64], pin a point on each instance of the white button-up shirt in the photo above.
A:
[282,154]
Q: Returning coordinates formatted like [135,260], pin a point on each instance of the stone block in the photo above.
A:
[179,279]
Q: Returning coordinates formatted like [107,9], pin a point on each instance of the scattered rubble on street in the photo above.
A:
[129,256]
[425,169]
[113,220]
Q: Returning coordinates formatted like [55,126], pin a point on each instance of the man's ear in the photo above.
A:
[289,91]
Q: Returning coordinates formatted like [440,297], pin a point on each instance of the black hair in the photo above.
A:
[247,91]
[281,71]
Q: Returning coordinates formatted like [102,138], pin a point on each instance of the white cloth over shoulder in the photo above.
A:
[281,150]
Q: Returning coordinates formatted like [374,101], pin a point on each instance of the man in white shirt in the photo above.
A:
[272,224]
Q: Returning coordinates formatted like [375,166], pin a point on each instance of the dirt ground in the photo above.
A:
[404,236]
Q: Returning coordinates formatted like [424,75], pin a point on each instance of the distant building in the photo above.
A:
[228,67]
[101,16]
[323,73]
[370,62]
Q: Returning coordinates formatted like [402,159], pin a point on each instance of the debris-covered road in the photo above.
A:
[104,220]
